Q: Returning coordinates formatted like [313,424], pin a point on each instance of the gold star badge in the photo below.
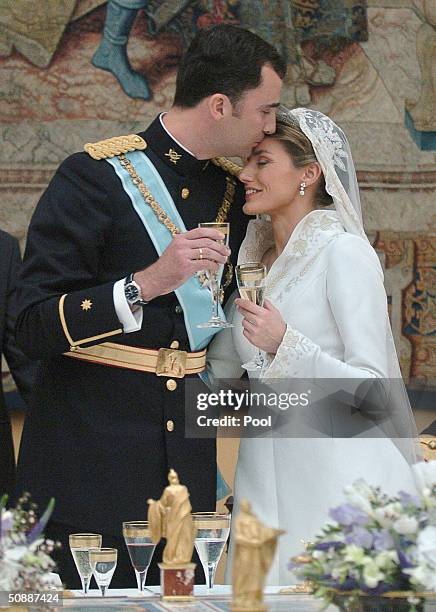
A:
[86,305]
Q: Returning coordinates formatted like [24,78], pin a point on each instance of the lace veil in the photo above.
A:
[334,156]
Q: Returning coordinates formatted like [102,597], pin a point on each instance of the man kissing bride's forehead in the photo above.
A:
[232,81]
[134,292]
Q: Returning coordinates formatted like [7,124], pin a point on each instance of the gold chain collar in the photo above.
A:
[157,209]
[166,221]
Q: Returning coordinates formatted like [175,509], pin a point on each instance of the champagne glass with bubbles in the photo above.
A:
[214,278]
[138,540]
[80,545]
[251,284]
[212,533]
[103,563]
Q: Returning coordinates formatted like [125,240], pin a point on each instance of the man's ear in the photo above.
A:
[219,106]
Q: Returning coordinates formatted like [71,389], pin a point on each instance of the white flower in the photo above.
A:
[387,515]
[424,474]
[386,559]
[360,494]
[355,554]
[426,546]
[6,519]
[318,554]
[423,575]
[15,554]
[22,565]
[406,525]
[372,574]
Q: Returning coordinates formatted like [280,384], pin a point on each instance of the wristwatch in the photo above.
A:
[132,291]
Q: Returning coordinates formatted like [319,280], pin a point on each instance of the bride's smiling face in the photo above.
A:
[271,179]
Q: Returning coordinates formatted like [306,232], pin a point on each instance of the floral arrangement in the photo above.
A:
[376,544]
[25,564]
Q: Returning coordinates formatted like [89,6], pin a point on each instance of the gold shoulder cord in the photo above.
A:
[231,168]
[115,146]
[227,165]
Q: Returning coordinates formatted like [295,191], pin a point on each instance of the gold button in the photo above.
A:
[170,425]
[178,309]
[174,344]
[185,193]
[171,384]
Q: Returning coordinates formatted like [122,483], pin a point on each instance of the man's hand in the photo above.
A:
[191,252]
[263,326]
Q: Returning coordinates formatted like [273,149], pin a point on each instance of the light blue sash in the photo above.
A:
[195,300]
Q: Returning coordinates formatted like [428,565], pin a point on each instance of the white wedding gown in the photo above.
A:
[328,287]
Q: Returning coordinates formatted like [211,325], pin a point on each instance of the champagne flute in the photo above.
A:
[138,540]
[212,532]
[80,545]
[215,278]
[103,563]
[251,277]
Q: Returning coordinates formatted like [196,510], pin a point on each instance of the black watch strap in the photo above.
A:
[132,291]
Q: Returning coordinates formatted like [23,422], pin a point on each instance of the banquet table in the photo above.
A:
[218,599]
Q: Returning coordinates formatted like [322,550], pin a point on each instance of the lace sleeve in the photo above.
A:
[293,357]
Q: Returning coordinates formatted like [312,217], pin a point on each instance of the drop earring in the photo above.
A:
[302,188]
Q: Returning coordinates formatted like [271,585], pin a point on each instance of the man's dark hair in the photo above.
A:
[224,59]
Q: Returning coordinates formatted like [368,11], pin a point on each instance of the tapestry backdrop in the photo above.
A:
[74,71]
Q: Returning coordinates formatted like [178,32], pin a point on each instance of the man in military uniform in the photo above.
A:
[108,290]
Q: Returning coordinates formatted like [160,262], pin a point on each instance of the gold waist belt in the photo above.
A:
[163,362]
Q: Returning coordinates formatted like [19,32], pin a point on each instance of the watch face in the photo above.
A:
[131,292]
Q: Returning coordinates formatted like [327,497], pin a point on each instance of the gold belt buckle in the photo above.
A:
[171,363]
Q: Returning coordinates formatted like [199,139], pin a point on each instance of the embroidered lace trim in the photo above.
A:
[289,360]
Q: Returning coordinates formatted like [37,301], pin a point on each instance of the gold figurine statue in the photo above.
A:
[254,549]
[170,517]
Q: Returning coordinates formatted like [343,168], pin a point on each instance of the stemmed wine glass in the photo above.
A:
[215,278]
[138,540]
[80,545]
[103,563]
[212,533]
[251,277]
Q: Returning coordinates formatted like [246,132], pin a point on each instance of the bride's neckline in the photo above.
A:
[295,234]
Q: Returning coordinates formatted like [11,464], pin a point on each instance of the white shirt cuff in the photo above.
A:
[131,321]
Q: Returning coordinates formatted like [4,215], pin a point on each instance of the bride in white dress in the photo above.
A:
[324,317]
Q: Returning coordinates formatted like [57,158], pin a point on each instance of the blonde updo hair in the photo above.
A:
[300,149]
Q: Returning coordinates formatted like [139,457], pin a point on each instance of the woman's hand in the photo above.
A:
[263,326]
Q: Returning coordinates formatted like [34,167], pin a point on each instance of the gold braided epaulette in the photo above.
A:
[227,165]
[115,146]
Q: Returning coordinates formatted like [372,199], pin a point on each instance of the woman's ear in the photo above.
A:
[312,172]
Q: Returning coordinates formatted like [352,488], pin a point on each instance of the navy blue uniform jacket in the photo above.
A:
[96,437]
